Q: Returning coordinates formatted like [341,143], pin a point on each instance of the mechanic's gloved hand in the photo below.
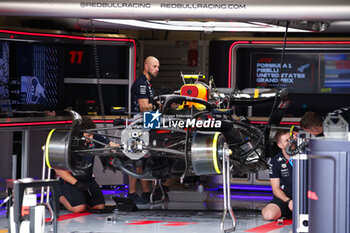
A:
[81,186]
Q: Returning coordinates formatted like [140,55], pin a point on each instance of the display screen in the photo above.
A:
[77,61]
[33,90]
[299,72]
[4,70]
[37,76]
[335,70]
[318,79]
[81,61]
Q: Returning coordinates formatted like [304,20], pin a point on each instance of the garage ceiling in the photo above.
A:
[197,15]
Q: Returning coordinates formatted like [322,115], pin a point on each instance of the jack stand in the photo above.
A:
[227,191]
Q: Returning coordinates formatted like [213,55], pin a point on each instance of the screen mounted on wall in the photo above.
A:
[299,72]
[112,61]
[335,73]
[33,90]
[4,70]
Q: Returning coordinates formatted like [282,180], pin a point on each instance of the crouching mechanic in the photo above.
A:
[281,178]
[79,192]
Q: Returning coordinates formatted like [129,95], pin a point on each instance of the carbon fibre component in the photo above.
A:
[190,141]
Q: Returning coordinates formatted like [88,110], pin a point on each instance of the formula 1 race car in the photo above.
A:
[189,134]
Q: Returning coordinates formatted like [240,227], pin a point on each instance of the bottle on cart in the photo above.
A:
[200,188]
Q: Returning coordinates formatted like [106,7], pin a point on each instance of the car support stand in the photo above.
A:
[227,193]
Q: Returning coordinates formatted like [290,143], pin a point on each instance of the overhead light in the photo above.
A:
[208,26]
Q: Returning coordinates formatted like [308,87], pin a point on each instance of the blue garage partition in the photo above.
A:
[329,186]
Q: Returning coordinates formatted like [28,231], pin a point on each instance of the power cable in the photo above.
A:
[275,99]
[98,75]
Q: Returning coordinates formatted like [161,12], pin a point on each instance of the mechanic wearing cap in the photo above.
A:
[79,192]
[281,174]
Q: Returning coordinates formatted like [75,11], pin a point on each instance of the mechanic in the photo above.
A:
[142,94]
[280,168]
[312,122]
[79,192]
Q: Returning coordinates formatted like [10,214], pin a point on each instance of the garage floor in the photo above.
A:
[185,212]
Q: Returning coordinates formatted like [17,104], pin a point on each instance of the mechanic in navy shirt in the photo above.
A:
[142,94]
[79,192]
[281,177]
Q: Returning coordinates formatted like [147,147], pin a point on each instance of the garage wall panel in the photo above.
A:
[173,58]
[6,153]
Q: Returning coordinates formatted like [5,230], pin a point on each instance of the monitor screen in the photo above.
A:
[33,90]
[299,71]
[335,73]
[112,61]
[4,70]
[37,77]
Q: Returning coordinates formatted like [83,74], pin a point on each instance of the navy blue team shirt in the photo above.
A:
[141,89]
[280,167]
[90,159]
